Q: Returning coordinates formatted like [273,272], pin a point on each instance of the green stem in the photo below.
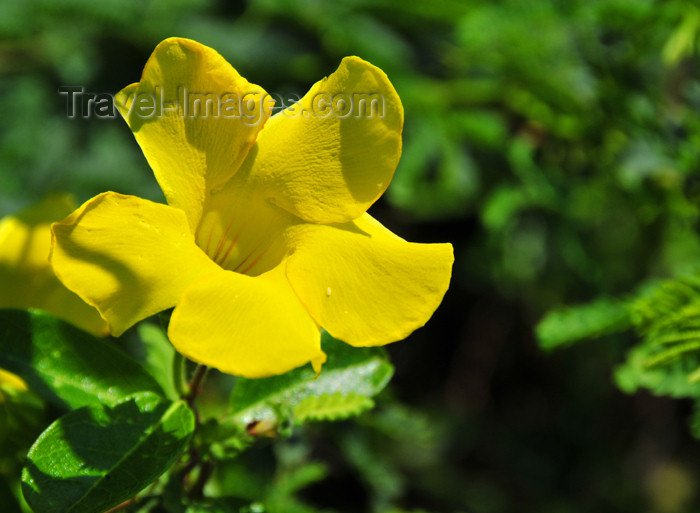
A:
[179,374]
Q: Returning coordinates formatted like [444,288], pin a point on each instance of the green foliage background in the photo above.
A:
[555,144]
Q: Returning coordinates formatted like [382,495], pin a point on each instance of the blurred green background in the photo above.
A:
[556,144]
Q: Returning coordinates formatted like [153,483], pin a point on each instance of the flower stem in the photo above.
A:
[195,384]
[205,472]
[179,374]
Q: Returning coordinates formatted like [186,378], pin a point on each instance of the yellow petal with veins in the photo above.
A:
[240,231]
[365,285]
[195,119]
[127,256]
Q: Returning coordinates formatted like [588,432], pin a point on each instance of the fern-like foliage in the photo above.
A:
[667,305]
[569,325]
[641,370]
[664,315]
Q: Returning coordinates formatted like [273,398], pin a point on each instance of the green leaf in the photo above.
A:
[65,365]
[502,206]
[281,496]
[21,420]
[641,371]
[377,470]
[673,354]
[95,458]
[668,305]
[159,357]
[349,370]
[683,40]
[564,327]
[292,480]
[331,407]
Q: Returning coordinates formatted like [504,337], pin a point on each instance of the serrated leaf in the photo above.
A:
[65,365]
[336,406]
[569,325]
[94,458]
[360,371]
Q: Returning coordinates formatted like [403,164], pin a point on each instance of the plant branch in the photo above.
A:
[205,472]
[194,387]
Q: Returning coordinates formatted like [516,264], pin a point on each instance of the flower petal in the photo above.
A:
[328,164]
[365,285]
[241,231]
[26,277]
[194,142]
[127,256]
[247,326]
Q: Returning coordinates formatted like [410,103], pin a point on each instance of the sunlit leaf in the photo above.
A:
[94,458]
[359,371]
[159,357]
[65,365]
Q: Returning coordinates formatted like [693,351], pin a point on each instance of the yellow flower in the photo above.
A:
[26,278]
[265,238]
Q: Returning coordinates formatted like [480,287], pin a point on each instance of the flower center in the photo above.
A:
[242,232]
